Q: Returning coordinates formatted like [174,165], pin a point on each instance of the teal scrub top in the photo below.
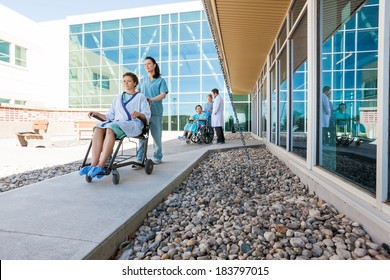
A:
[152,88]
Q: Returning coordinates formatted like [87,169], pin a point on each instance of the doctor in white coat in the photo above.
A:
[217,116]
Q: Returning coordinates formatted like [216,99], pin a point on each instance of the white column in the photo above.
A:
[312,82]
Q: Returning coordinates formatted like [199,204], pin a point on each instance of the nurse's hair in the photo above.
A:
[198,106]
[132,76]
[157,69]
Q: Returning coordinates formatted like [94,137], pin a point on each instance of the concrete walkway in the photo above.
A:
[67,218]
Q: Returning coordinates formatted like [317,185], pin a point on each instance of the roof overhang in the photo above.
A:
[244,31]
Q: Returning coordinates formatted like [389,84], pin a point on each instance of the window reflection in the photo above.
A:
[348,134]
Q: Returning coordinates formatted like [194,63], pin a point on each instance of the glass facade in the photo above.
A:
[345,91]
[181,43]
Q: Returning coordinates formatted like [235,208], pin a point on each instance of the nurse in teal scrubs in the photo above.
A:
[155,89]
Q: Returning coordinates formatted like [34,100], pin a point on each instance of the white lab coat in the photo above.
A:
[217,115]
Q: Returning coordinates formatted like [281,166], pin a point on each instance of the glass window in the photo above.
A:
[90,27]
[153,51]
[190,16]
[347,120]
[150,35]
[189,51]
[350,41]
[368,40]
[367,60]
[206,32]
[327,46]
[208,50]
[135,68]
[174,69]
[165,33]
[189,67]
[110,39]
[296,10]
[298,114]
[174,51]
[130,36]
[368,16]
[75,89]
[273,105]
[190,97]
[76,28]
[282,35]
[170,117]
[111,24]
[349,79]
[91,58]
[92,40]
[173,85]
[75,59]
[210,82]
[20,56]
[264,109]
[211,67]
[75,42]
[130,22]
[174,18]
[130,55]
[112,71]
[338,42]
[190,31]
[283,110]
[164,19]
[150,20]
[174,32]
[189,84]
[4,51]
[110,56]
[165,52]
[334,16]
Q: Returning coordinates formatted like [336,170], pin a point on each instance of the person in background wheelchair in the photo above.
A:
[129,112]
[192,126]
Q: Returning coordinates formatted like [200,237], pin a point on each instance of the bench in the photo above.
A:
[37,126]
[84,129]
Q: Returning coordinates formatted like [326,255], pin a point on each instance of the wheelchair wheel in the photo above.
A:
[207,133]
[88,179]
[194,138]
[149,166]
[115,177]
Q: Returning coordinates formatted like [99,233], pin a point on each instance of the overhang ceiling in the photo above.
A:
[244,31]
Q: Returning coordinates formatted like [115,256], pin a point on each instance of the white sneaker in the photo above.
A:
[137,166]
[157,161]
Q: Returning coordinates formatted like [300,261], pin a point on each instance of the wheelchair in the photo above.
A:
[205,134]
[120,158]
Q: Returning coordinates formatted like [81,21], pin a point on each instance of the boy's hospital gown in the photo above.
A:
[119,117]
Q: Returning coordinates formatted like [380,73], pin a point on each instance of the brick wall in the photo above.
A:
[15,119]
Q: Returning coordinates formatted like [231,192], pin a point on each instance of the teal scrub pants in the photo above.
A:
[156,132]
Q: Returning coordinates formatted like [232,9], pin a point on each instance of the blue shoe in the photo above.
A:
[84,170]
[97,172]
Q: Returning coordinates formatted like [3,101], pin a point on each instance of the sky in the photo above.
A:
[44,10]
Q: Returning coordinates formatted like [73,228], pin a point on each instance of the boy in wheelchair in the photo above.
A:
[129,112]
[193,124]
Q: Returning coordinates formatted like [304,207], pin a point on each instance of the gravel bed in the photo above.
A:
[220,212]
[26,178]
